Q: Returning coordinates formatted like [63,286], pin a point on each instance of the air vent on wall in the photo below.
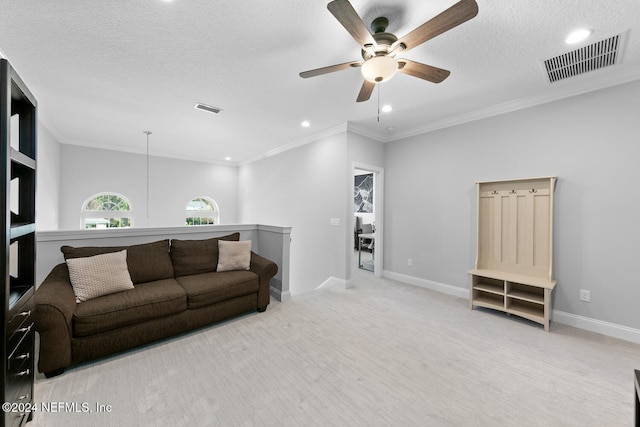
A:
[588,58]
[208,108]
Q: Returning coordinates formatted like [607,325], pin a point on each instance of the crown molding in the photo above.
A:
[143,152]
[625,75]
[299,143]
[366,132]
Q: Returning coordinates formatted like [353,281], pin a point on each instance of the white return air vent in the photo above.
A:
[208,108]
[588,58]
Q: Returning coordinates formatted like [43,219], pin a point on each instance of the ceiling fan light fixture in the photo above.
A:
[379,69]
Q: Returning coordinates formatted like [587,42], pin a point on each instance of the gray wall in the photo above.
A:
[303,188]
[172,184]
[47,180]
[591,142]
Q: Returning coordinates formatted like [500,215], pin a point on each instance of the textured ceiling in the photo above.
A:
[104,71]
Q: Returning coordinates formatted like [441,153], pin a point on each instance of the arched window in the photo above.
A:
[202,211]
[106,210]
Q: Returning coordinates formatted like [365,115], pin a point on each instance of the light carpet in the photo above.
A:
[379,354]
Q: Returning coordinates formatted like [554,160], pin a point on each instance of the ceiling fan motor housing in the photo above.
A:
[384,40]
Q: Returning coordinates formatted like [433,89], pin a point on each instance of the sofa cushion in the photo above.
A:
[99,275]
[147,262]
[197,256]
[210,288]
[146,301]
[234,255]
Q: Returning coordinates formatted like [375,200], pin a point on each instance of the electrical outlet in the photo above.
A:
[585,295]
[409,262]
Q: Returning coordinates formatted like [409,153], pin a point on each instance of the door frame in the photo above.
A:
[378,203]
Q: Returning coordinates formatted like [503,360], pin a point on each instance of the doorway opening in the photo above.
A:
[367,220]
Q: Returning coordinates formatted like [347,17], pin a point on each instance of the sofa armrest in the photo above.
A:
[55,305]
[265,269]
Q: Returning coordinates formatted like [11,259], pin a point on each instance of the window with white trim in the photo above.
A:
[106,210]
[202,211]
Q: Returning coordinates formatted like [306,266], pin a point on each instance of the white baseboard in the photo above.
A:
[594,325]
[331,282]
[334,281]
[427,284]
[599,326]
[279,295]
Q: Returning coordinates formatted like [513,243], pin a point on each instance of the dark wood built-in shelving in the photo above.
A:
[17,251]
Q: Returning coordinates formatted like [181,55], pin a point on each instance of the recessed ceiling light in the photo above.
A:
[577,36]
[305,124]
[227,158]
[386,108]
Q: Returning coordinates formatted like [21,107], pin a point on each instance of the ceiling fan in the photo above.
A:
[379,50]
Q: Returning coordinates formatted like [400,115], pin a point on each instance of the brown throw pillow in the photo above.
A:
[197,256]
[99,275]
[147,262]
[234,255]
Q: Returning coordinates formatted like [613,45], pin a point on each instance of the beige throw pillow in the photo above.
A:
[234,255]
[98,275]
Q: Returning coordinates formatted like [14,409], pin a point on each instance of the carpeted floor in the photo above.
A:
[380,354]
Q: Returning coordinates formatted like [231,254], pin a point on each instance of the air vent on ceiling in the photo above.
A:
[588,58]
[208,108]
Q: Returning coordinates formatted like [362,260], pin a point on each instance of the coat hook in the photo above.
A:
[494,192]
[533,190]
[512,192]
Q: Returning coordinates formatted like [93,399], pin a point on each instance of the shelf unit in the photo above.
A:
[514,263]
[18,171]
[520,295]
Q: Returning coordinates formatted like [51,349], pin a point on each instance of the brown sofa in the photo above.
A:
[176,289]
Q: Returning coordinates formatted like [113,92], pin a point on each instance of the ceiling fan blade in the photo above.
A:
[422,71]
[330,69]
[365,91]
[351,21]
[450,18]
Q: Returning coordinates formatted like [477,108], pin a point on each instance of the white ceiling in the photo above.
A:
[104,71]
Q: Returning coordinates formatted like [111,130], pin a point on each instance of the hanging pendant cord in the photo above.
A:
[147,133]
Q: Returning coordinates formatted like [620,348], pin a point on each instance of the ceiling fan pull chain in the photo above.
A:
[378,102]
